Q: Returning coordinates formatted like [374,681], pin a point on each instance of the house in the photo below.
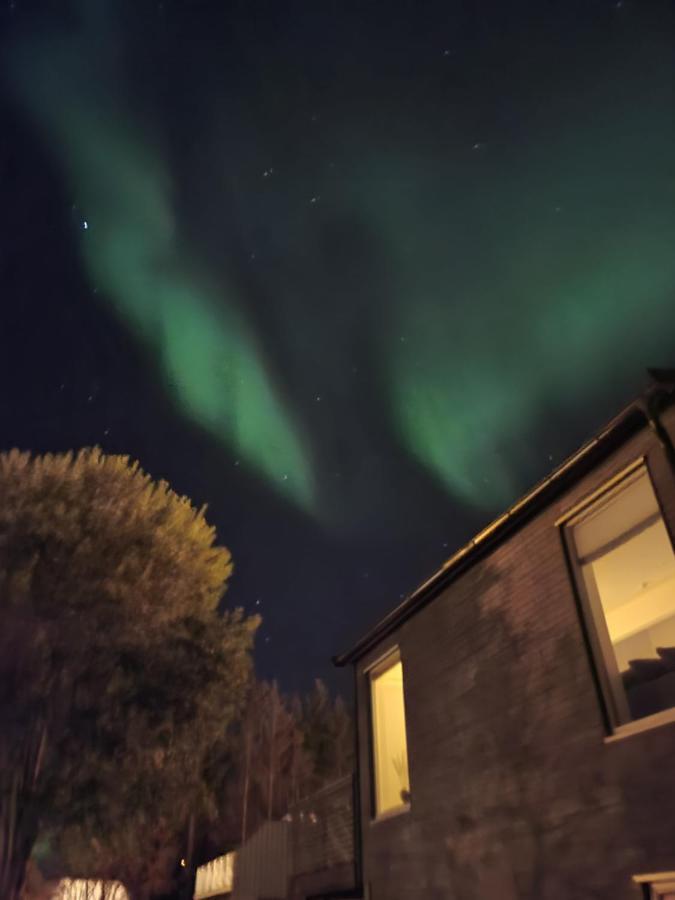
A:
[516,713]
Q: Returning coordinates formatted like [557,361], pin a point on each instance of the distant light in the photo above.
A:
[85,225]
[183,863]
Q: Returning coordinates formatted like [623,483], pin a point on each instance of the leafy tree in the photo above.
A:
[118,673]
[273,761]
[284,748]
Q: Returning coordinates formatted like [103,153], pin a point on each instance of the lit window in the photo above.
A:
[626,568]
[390,749]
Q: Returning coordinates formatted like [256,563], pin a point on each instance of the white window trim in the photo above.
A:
[646,723]
[618,730]
[606,486]
[658,883]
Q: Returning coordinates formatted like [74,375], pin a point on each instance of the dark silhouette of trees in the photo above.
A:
[328,734]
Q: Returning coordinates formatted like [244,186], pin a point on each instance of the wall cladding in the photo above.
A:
[515,792]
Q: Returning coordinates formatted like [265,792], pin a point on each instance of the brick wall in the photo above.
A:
[515,791]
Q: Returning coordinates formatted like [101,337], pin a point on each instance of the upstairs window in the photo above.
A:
[390,748]
[626,569]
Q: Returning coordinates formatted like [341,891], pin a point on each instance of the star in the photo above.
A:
[314,200]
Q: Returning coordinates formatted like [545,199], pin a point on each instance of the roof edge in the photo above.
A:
[631,419]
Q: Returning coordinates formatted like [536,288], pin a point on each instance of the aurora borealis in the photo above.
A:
[133,252]
[373,269]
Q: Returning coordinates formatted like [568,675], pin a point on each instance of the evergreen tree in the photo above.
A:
[328,734]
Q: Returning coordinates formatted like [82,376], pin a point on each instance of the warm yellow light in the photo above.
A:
[628,568]
[392,784]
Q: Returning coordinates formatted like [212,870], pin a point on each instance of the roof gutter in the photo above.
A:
[645,410]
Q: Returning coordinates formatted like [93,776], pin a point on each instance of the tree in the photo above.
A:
[273,760]
[118,672]
[328,734]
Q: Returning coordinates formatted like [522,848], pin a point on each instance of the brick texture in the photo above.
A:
[515,791]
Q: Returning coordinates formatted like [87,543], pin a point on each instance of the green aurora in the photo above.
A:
[572,292]
[518,283]
[137,258]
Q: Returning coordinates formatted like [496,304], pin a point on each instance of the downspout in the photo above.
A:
[356,781]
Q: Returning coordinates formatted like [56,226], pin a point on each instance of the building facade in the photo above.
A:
[516,714]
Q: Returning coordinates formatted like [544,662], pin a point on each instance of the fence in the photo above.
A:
[310,851]
[322,829]
[216,877]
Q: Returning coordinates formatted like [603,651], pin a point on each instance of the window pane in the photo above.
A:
[392,785]
[628,567]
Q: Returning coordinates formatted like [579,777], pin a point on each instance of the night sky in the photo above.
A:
[354,274]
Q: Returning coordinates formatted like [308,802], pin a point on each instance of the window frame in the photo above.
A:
[656,885]
[379,666]
[591,615]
